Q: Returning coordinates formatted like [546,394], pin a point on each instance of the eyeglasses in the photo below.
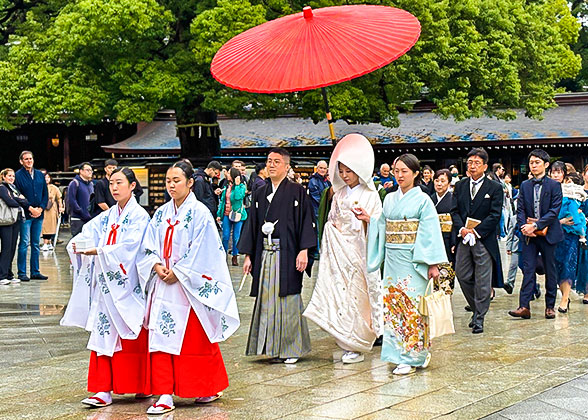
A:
[475,163]
[273,162]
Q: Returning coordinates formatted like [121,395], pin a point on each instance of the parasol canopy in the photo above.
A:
[315,48]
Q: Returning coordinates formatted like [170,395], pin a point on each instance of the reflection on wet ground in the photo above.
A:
[44,367]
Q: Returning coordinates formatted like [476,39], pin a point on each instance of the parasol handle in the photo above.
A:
[329,116]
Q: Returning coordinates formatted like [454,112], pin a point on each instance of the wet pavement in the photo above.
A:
[517,369]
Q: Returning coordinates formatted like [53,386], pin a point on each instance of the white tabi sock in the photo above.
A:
[104,396]
[166,399]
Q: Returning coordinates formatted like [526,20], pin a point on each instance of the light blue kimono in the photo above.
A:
[405,273]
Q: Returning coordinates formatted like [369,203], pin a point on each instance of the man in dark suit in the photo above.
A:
[477,260]
[538,206]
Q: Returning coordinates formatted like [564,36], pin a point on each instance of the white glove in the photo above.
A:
[469,239]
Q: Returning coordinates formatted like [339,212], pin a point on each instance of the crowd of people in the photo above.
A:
[157,297]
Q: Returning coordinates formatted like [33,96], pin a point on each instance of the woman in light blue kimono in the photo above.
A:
[406,236]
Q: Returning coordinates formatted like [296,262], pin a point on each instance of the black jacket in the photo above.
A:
[204,192]
[12,200]
[295,228]
[550,205]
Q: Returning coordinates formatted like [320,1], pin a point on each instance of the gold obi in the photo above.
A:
[401,231]
[445,222]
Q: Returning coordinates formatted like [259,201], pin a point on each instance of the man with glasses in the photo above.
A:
[277,239]
[476,209]
[79,192]
[31,183]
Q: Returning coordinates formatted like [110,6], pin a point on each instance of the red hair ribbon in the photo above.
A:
[112,234]
[167,242]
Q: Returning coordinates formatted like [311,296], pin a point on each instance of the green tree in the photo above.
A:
[83,60]
[579,9]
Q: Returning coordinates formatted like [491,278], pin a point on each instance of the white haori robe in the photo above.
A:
[347,300]
[107,298]
[197,258]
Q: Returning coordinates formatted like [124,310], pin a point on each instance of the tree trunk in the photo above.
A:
[199,137]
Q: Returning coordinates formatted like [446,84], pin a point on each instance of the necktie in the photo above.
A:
[536,199]
[475,186]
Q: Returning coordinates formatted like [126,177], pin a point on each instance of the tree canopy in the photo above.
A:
[84,60]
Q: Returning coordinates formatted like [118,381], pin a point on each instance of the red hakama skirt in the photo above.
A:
[126,372]
[199,370]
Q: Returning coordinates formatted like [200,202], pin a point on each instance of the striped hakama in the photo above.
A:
[278,328]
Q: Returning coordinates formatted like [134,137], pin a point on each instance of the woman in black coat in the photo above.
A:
[442,199]
[9,234]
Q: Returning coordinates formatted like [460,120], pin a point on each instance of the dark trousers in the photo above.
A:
[529,256]
[8,238]
[76,227]
[473,268]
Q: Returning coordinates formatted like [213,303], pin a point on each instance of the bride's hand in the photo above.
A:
[361,214]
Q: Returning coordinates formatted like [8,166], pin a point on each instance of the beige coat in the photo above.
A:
[51,216]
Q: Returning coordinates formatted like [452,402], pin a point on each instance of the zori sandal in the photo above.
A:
[95,402]
[206,400]
[160,409]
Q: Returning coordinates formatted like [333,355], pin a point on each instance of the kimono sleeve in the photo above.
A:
[376,243]
[428,248]
[205,276]
[374,205]
[307,226]
[149,253]
[123,256]
[78,308]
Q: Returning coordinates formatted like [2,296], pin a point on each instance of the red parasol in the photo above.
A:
[315,49]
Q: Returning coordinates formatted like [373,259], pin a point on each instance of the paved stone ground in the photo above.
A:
[567,401]
[44,368]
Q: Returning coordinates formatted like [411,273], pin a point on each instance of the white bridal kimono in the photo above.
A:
[186,240]
[347,300]
[107,299]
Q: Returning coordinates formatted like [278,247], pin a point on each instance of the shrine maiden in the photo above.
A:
[347,300]
[191,302]
[107,298]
